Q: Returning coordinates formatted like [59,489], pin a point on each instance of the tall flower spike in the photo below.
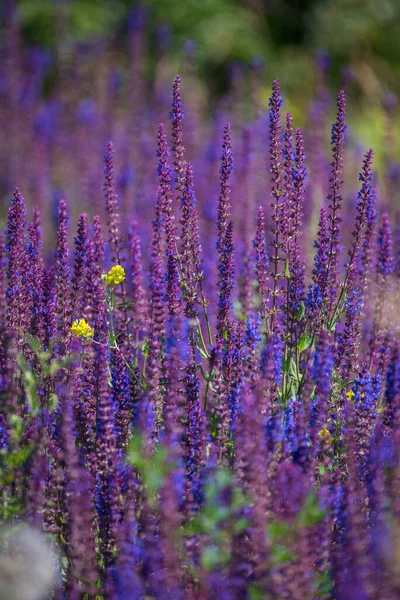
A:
[177,116]
[82,570]
[138,293]
[77,294]
[226,171]
[226,268]
[286,218]
[194,437]
[366,257]
[157,317]
[335,196]
[348,342]
[165,196]
[384,269]
[106,461]
[296,267]
[17,301]
[112,205]
[49,307]
[63,306]
[3,305]
[225,247]
[262,262]
[190,250]
[35,282]
[277,191]
[318,289]
[364,206]
[95,288]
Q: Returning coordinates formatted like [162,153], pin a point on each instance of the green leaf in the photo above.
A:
[33,343]
[287,270]
[125,304]
[278,529]
[203,354]
[240,525]
[293,370]
[145,349]
[255,593]
[286,364]
[311,513]
[305,341]
[300,312]
[280,554]
[213,557]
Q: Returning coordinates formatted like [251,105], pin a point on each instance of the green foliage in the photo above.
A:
[153,469]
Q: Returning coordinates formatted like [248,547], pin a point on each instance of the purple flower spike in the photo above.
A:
[77,279]
[138,293]
[278,192]
[317,295]
[226,270]
[165,199]
[112,205]
[296,267]
[106,461]
[335,196]
[177,116]
[35,279]
[286,219]
[225,247]
[262,261]
[63,306]
[191,249]
[17,299]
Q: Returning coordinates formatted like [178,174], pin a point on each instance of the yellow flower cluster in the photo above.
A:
[80,328]
[115,276]
[325,436]
[350,395]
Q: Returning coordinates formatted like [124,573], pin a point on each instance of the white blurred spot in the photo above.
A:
[27,564]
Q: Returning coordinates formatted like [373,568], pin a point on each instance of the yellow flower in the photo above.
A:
[325,436]
[115,276]
[350,395]
[80,328]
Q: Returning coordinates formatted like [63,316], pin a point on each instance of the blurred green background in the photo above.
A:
[279,37]
[361,36]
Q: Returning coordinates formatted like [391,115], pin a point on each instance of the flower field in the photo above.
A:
[200,352]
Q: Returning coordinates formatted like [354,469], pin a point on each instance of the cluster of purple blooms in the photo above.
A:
[226,426]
